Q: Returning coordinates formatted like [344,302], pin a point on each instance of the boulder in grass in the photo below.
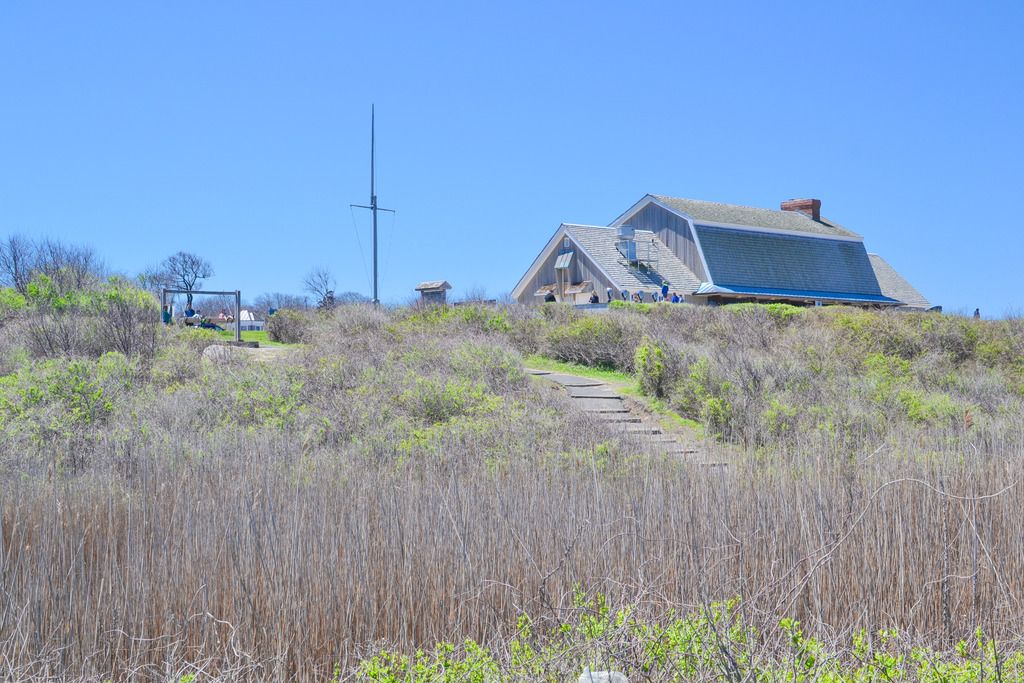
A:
[589,676]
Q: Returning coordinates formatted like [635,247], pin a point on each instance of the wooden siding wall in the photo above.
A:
[545,276]
[673,231]
[582,269]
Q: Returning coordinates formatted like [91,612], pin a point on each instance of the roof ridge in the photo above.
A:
[729,204]
[702,210]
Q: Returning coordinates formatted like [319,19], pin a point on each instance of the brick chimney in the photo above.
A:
[809,207]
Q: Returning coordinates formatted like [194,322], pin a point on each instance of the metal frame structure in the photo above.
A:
[238,303]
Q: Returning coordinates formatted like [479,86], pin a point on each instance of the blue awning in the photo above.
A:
[563,260]
[709,289]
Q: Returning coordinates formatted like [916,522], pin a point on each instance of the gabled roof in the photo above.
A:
[894,285]
[749,216]
[739,258]
[599,245]
[433,286]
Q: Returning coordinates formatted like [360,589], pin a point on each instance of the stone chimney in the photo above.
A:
[809,207]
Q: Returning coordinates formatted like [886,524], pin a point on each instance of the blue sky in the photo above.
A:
[239,131]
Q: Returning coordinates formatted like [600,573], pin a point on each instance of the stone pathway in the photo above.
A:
[602,400]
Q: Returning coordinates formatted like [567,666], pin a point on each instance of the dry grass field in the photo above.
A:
[398,482]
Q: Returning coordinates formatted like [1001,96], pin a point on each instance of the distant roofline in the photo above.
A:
[654,199]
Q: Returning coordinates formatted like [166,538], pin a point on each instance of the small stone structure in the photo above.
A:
[434,292]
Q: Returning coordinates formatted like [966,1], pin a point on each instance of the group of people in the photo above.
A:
[638,297]
[193,318]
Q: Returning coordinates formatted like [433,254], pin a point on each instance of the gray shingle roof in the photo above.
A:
[754,217]
[894,285]
[430,285]
[742,258]
[599,244]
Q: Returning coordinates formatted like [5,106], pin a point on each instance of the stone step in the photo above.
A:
[642,429]
[571,381]
[610,403]
[592,392]
[625,419]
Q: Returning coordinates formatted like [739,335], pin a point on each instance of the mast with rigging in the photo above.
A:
[373,201]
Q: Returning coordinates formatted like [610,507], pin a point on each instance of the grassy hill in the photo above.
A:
[397,482]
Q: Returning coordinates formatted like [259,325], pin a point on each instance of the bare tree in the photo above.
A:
[278,301]
[352,298]
[153,279]
[320,283]
[17,262]
[185,270]
[70,266]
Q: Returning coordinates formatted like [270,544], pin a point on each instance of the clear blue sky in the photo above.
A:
[239,130]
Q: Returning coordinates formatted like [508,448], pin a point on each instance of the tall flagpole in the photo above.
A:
[373,199]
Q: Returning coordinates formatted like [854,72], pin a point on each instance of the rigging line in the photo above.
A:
[386,270]
[362,257]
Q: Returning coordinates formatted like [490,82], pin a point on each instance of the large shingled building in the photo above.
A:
[717,253]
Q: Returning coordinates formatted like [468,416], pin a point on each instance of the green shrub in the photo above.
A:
[264,395]
[890,333]
[434,401]
[780,313]
[701,396]
[618,304]
[499,368]
[596,340]
[123,319]
[656,369]
[780,418]
[922,407]
[63,397]
[110,316]
[954,335]
[717,642]
[11,303]
[289,326]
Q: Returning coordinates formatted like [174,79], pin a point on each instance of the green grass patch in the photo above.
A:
[616,377]
[253,336]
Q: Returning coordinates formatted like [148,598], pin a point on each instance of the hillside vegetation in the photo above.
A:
[397,482]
